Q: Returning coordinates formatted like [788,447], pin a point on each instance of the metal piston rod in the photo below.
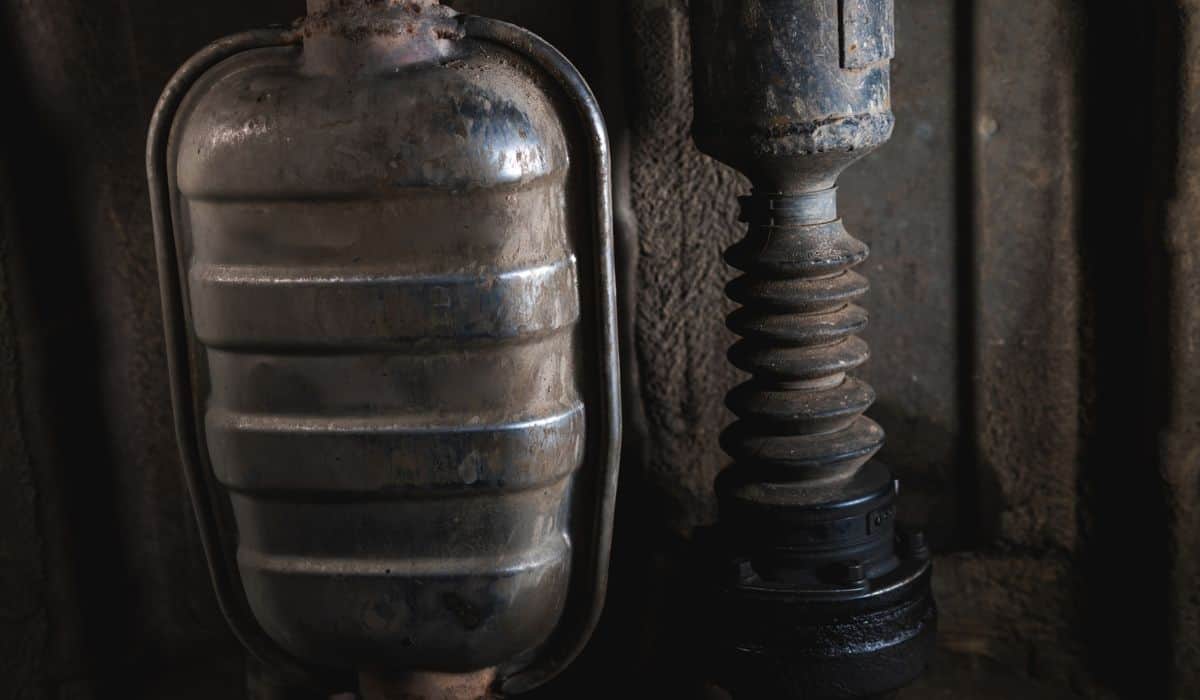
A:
[818,594]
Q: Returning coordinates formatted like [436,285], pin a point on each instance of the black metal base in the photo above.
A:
[772,644]
[841,609]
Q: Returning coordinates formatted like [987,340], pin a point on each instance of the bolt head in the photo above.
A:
[854,572]
[915,544]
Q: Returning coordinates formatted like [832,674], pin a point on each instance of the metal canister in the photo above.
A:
[386,261]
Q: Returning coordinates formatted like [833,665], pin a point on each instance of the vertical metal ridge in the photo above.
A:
[591,123]
[230,597]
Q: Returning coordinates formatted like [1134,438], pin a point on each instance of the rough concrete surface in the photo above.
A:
[686,206]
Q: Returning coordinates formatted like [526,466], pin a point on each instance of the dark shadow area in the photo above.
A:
[949,673]
[62,365]
[81,90]
[929,500]
[969,529]
[1128,139]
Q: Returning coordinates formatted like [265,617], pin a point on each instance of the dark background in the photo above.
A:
[1035,336]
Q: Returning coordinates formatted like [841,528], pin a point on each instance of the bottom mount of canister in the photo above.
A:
[427,686]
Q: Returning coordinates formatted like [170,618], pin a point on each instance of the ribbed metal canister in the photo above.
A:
[379,258]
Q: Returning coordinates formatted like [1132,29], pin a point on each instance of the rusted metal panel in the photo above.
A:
[1027,271]
[1180,434]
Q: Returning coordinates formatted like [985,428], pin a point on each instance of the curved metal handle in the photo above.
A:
[229,595]
[546,57]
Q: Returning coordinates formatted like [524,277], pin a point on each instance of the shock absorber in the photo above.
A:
[819,594]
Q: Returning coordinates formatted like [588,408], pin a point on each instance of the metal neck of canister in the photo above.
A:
[316,7]
[377,36]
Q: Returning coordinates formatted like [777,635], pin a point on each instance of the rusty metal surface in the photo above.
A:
[593,529]
[792,133]
[407,529]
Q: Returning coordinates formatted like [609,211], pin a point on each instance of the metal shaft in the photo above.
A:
[781,97]
[817,598]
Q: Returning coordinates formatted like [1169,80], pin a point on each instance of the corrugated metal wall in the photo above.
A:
[1034,337]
